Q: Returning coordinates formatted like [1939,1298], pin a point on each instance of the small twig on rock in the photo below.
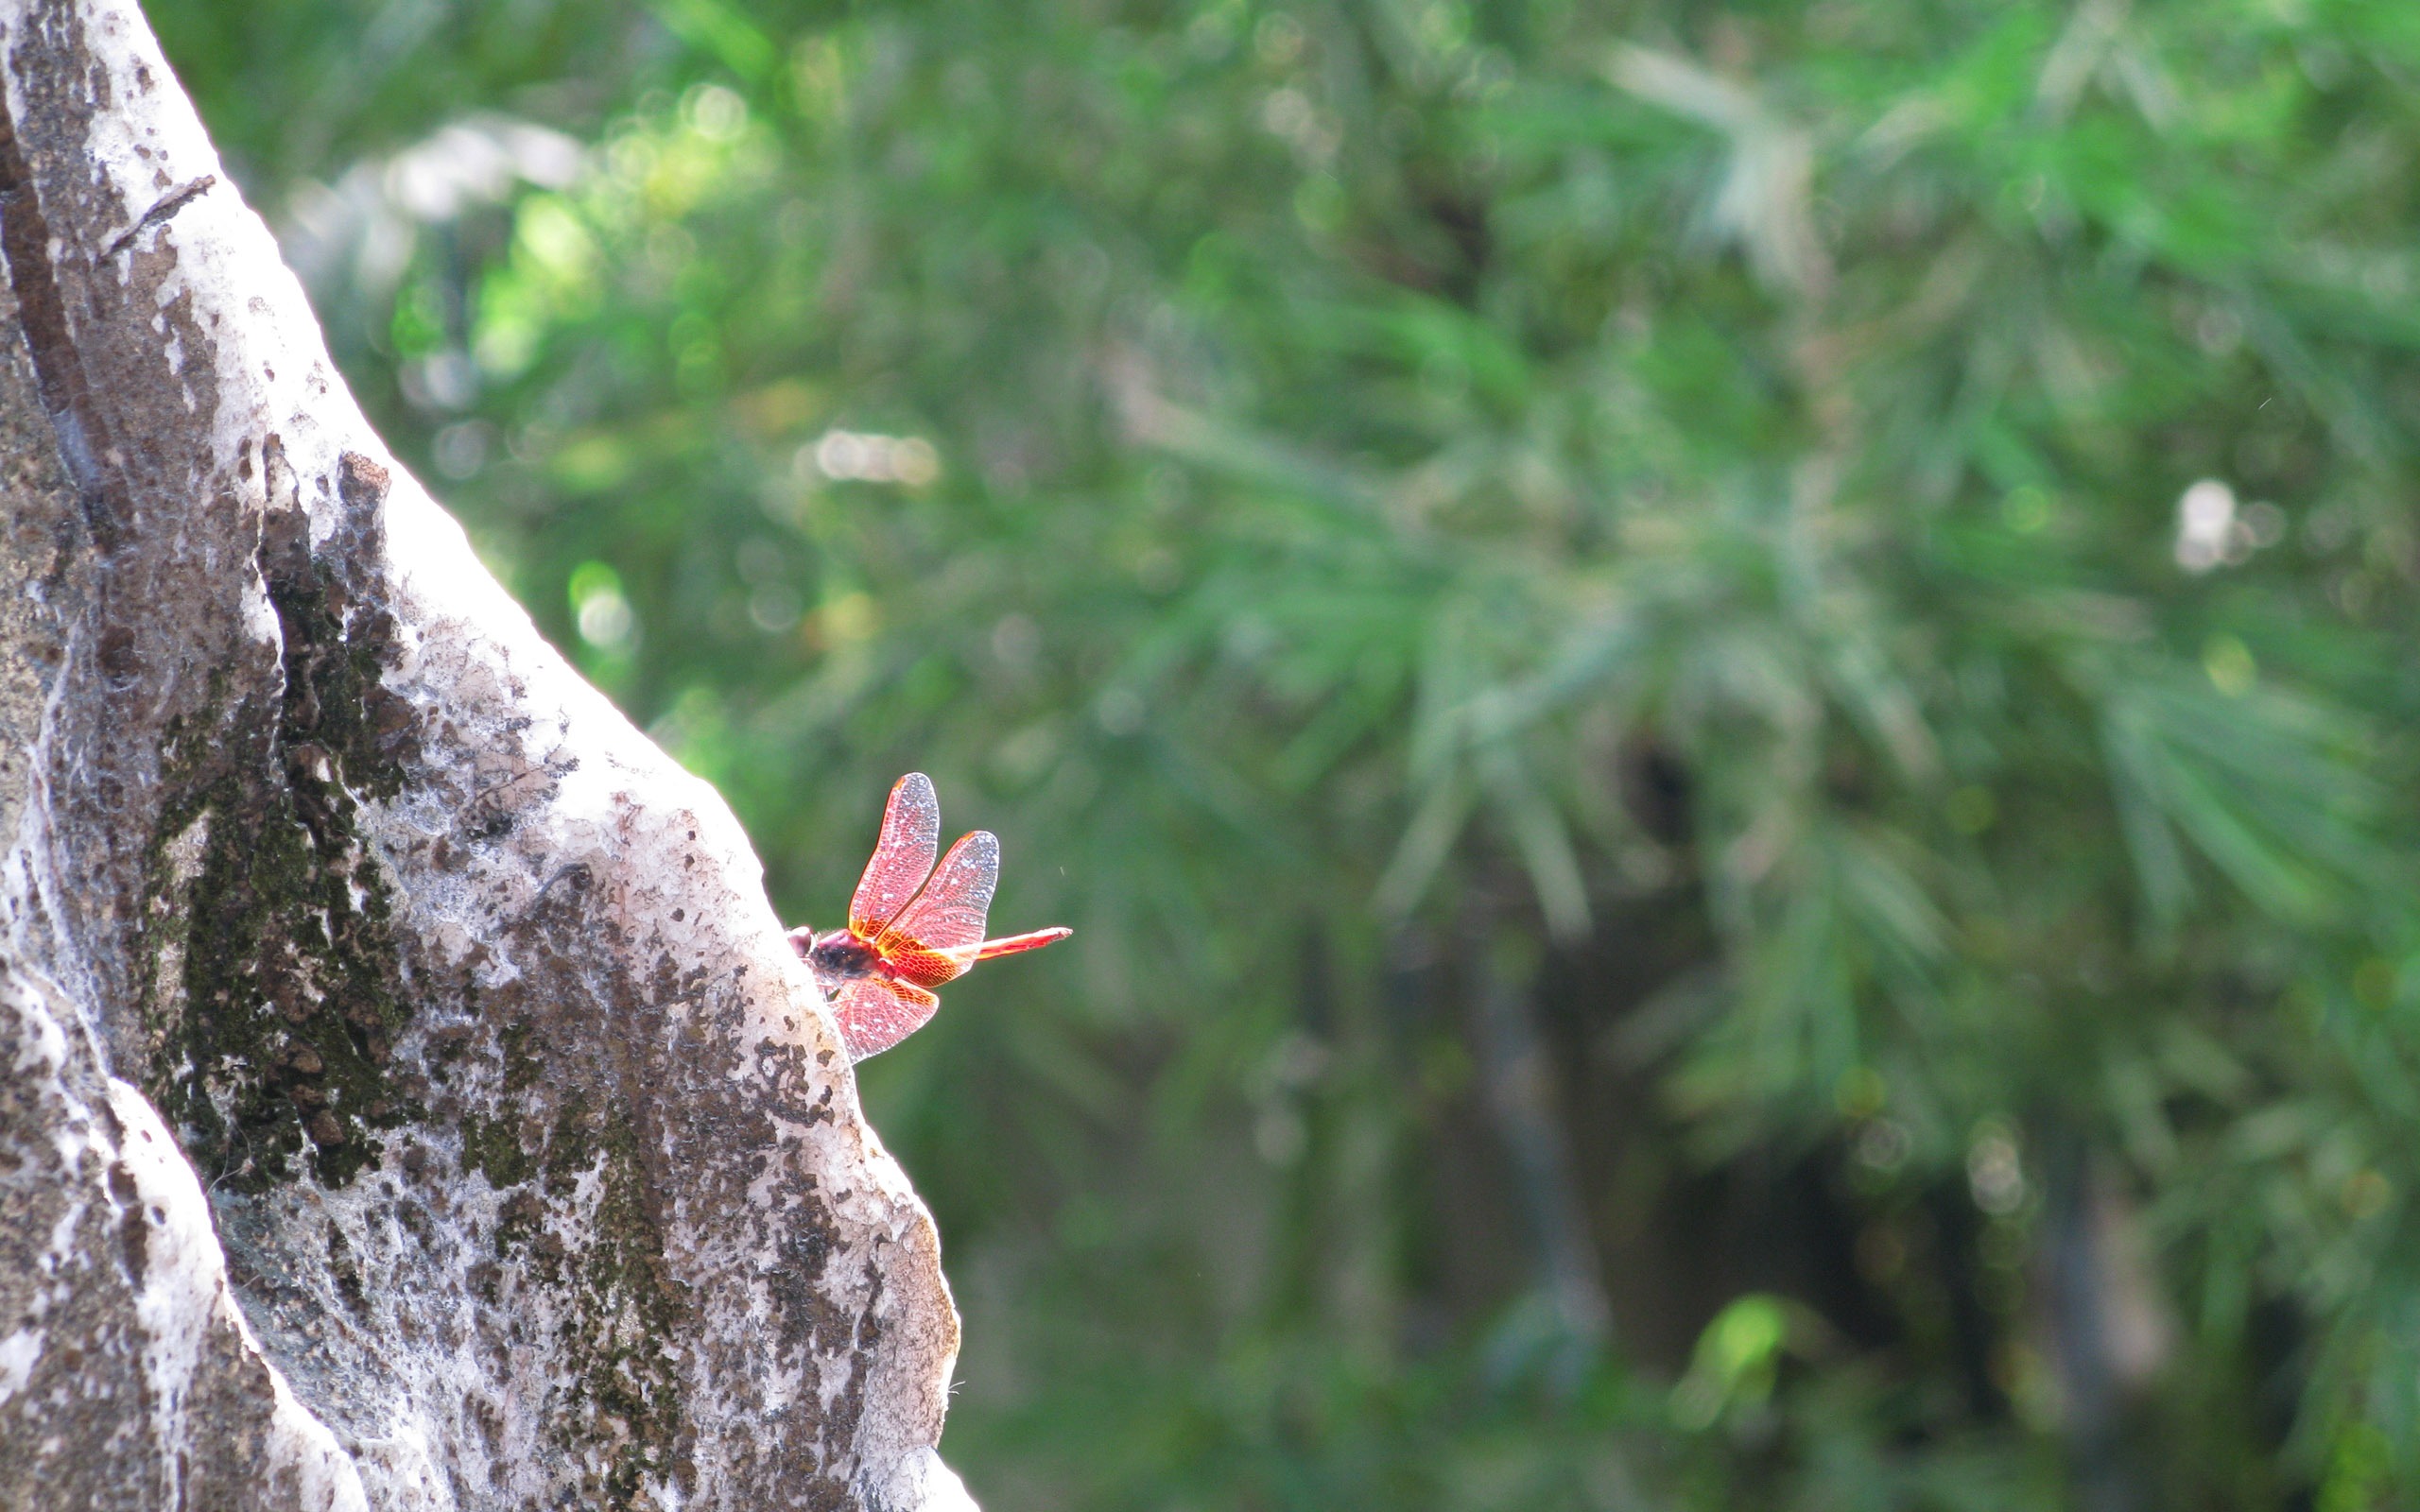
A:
[175,201]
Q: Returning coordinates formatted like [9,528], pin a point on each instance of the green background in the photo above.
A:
[1722,694]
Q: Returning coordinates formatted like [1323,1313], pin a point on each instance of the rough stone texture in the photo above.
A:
[406,1096]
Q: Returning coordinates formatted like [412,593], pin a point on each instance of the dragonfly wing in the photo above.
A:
[939,935]
[875,1013]
[911,831]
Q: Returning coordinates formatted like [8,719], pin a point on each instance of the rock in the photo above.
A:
[407,1098]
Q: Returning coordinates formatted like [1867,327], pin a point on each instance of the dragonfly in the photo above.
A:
[912,925]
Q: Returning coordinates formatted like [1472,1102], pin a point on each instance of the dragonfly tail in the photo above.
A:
[1014,943]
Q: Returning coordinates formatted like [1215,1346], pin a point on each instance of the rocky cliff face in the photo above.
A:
[406,1096]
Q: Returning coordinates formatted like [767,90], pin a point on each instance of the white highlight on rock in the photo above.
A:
[184,1294]
[922,1483]
[18,1352]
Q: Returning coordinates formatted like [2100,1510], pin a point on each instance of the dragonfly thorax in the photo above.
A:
[841,957]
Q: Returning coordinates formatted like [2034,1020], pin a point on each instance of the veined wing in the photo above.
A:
[875,1013]
[940,934]
[911,831]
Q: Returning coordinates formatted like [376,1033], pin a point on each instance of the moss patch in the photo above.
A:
[630,1386]
[624,1405]
[292,985]
[491,1147]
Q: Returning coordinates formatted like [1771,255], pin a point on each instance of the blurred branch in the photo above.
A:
[1516,1079]
[2107,1333]
[1765,200]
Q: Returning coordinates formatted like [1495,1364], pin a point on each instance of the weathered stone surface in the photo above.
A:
[406,1096]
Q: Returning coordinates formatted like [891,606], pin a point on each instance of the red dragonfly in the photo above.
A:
[912,925]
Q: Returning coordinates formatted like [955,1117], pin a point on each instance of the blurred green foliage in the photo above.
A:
[1743,670]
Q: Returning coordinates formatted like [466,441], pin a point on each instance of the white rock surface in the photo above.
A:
[407,1099]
